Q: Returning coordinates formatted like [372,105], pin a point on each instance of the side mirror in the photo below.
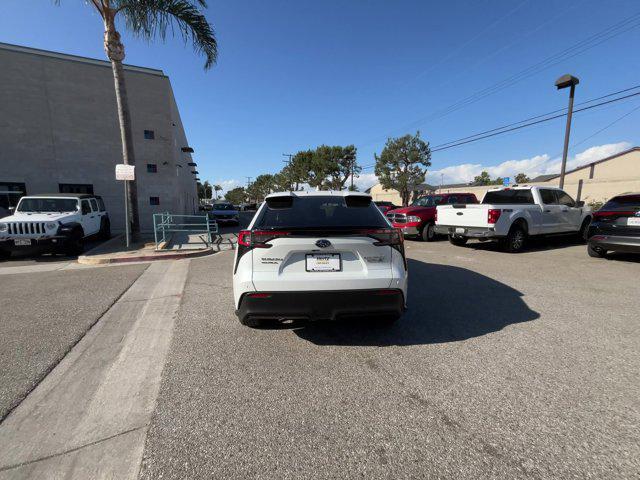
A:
[12,209]
[580,204]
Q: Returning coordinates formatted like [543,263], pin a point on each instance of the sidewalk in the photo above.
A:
[114,251]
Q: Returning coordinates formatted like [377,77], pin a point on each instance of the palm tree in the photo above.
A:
[147,19]
[217,188]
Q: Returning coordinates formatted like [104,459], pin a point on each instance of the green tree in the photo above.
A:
[217,188]
[522,178]
[482,179]
[204,190]
[261,187]
[403,164]
[298,169]
[341,164]
[236,195]
[281,182]
[148,19]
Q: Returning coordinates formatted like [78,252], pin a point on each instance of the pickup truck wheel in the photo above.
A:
[596,252]
[458,241]
[428,233]
[584,230]
[515,240]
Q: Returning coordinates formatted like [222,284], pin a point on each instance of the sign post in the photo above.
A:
[126,173]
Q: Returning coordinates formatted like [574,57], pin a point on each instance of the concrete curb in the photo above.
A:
[97,260]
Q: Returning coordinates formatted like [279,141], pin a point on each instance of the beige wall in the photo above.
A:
[612,177]
[59,124]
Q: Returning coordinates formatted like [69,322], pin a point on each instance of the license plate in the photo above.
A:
[22,242]
[633,221]
[460,230]
[323,262]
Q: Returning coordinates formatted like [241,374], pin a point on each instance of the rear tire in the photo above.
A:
[428,233]
[515,240]
[596,252]
[105,230]
[583,233]
[458,241]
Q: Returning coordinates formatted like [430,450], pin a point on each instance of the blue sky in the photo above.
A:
[296,74]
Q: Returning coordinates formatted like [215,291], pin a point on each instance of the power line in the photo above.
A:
[570,52]
[535,121]
[537,116]
[532,123]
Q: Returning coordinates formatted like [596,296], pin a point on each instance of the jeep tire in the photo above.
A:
[74,246]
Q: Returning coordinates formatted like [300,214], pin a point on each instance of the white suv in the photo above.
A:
[319,255]
[56,222]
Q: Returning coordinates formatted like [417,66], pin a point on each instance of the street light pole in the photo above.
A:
[564,82]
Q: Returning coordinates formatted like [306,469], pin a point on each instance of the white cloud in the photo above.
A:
[227,184]
[534,166]
[364,181]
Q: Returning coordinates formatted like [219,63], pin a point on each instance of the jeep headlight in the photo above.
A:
[412,218]
[51,225]
[3,227]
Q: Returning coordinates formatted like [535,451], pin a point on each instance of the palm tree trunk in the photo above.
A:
[115,52]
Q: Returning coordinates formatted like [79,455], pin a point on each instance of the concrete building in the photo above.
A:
[59,133]
[594,182]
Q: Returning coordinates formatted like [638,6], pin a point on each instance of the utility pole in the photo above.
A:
[564,82]
[248,185]
[288,162]
[441,181]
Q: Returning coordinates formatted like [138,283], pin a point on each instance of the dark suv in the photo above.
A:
[616,226]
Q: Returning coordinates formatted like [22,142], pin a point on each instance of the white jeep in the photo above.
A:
[56,222]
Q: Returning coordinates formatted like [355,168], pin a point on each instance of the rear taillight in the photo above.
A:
[493,215]
[258,238]
[384,236]
[599,215]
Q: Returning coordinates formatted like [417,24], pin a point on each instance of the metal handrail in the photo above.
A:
[166,222]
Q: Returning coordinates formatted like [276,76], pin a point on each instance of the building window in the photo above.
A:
[149,135]
[75,188]
[154,200]
[10,193]
[152,168]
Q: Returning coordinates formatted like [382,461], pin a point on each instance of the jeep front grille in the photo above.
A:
[25,228]
[397,217]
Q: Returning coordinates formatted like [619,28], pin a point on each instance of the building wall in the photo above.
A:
[60,125]
[618,175]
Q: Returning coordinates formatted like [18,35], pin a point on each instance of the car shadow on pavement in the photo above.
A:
[534,244]
[445,304]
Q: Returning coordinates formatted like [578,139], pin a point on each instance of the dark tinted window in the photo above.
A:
[223,206]
[154,200]
[321,212]
[101,204]
[519,197]
[452,199]
[152,168]
[548,197]
[149,134]
[623,202]
[564,199]
[86,208]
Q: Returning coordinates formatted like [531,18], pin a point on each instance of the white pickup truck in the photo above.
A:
[512,214]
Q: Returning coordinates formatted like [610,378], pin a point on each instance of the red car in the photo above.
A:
[419,219]
[385,206]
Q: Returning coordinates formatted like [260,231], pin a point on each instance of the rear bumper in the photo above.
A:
[470,232]
[616,243]
[321,305]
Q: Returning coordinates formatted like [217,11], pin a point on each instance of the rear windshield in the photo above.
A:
[499,197]
[429,201]
[321,212]
[623,203]
[224,206]
[35,205]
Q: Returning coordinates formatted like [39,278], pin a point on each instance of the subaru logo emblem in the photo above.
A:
[323,243]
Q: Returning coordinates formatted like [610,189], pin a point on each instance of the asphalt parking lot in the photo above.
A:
[45,313]
[504,366]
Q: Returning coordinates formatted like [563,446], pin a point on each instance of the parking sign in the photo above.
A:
[125,172]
